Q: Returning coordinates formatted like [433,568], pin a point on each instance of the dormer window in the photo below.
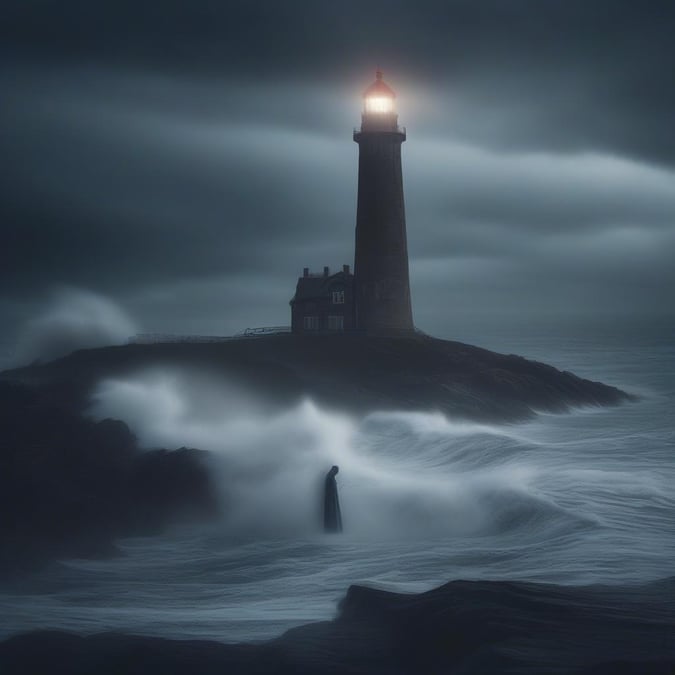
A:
[338,297]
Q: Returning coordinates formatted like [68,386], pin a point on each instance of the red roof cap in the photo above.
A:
[379,88]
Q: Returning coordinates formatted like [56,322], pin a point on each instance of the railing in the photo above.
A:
[247,334]
[161,338]
[395,130]
[265,330]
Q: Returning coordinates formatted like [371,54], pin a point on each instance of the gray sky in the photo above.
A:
[188,159]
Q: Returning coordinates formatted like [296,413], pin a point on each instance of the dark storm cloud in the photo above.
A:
[569,74]
[191,157]
[124,190]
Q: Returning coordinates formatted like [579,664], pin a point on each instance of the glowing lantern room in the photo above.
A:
[379,106]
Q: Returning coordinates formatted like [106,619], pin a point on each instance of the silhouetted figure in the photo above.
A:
[332,518]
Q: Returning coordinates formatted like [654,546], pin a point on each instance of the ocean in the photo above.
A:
[580,498]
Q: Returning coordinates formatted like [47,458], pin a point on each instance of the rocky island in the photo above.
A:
[71,485]
[354,373]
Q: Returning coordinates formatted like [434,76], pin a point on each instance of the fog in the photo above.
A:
[72,319]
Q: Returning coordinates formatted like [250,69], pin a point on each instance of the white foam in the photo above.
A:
[270,466]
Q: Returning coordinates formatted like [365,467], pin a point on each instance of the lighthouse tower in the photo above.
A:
[381,284]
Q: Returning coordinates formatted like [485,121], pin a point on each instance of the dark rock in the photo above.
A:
[350,372]
[462,628]
[69,486]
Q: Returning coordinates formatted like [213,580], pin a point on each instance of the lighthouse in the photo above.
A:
[375,299]
[381,282]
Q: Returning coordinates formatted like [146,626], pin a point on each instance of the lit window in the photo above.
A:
[310,322]
[336,323]
[338,297]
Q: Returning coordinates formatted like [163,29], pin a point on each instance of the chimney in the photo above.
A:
[326,271]
[345,269]
[305,271]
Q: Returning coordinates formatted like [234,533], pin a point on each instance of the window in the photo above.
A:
[336,323]
[310,322]
[338,297]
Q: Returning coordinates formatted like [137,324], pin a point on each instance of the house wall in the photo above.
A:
[322,307]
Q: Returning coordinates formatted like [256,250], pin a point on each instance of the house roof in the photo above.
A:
[315,287]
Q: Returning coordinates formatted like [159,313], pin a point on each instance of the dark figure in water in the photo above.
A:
[332,518]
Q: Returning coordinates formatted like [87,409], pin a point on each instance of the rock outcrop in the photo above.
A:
[461,628]
[350,372]
[69,486]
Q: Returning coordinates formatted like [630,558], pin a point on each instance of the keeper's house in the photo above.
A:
[323,302]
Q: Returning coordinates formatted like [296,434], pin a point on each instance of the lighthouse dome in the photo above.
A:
[378,101]
[379,88]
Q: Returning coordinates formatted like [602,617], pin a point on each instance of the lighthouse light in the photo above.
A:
[379,104]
